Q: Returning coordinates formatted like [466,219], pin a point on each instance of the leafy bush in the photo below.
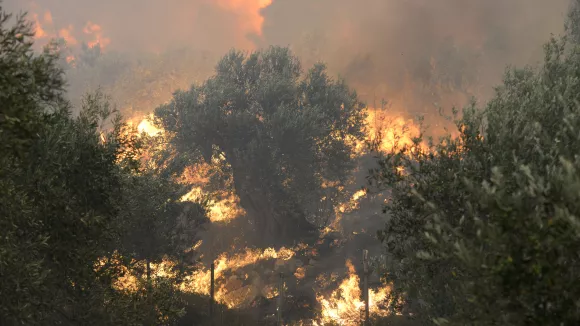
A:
[484,227]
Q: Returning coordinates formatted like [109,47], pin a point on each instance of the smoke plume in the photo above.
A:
[411,52]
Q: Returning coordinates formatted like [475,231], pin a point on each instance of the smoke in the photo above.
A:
[150,25]
[407,50]
[411,52]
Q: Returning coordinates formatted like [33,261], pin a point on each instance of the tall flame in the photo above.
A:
[344,305]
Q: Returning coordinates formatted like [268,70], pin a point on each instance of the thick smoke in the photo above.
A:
[411,52]
[151,25]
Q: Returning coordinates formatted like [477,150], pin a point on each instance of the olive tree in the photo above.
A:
[483,228]
[286,136]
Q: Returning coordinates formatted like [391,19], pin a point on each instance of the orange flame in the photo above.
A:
[146,126]
[39,30]
[66,34]
[394,130]
[200,281]
[96,32]
[344,305]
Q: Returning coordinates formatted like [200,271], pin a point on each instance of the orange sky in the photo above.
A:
[380,46]
[134,25]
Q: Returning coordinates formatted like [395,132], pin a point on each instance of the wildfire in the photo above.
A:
[223,209]
[344,208]
[66,34]
[234,295]
[200,281]
[95,31]
[389,131]
[344,305]
[145,126]
[250,11]
[39,31]
[130,279]
[45,30]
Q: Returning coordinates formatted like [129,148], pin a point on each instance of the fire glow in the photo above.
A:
[344,305]
[200,281]
[45,30]
[250,10]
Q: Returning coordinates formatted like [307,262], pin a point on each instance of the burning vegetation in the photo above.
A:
[249,183]
[244,276]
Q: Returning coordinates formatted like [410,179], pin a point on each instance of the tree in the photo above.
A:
[157,225]
[573,22]
[286,139]
[58,188]
[483,228]
[64,195]
[28,81]
[58,204]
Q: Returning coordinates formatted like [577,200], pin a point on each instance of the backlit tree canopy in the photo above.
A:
[483,227]
[286,135]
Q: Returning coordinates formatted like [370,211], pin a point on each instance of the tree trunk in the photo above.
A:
[148,295]
[274,225]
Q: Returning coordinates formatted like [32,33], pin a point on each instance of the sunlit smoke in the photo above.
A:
[45,30]
[413,53]
[251,11]
[95,32]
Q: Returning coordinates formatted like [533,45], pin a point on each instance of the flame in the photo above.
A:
[96,32]
[390,131]
[223,205]
[250,11]
[45,29]
[146,126]
[394,130]
[39,30]
[224,209]
[66,34]
[250,21]
[200,281]
[344,305]
[300,273]
[129,279]
[344,208]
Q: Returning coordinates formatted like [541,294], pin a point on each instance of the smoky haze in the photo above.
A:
[402,50]
[411,52]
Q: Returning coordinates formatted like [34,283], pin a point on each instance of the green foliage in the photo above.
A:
[57,182]
[573,22]
[483,228]
[156,225]
[282,136]
[30,84]
[63,193]
[58,199]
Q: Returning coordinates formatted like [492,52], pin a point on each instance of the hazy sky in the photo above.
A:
[383,47]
